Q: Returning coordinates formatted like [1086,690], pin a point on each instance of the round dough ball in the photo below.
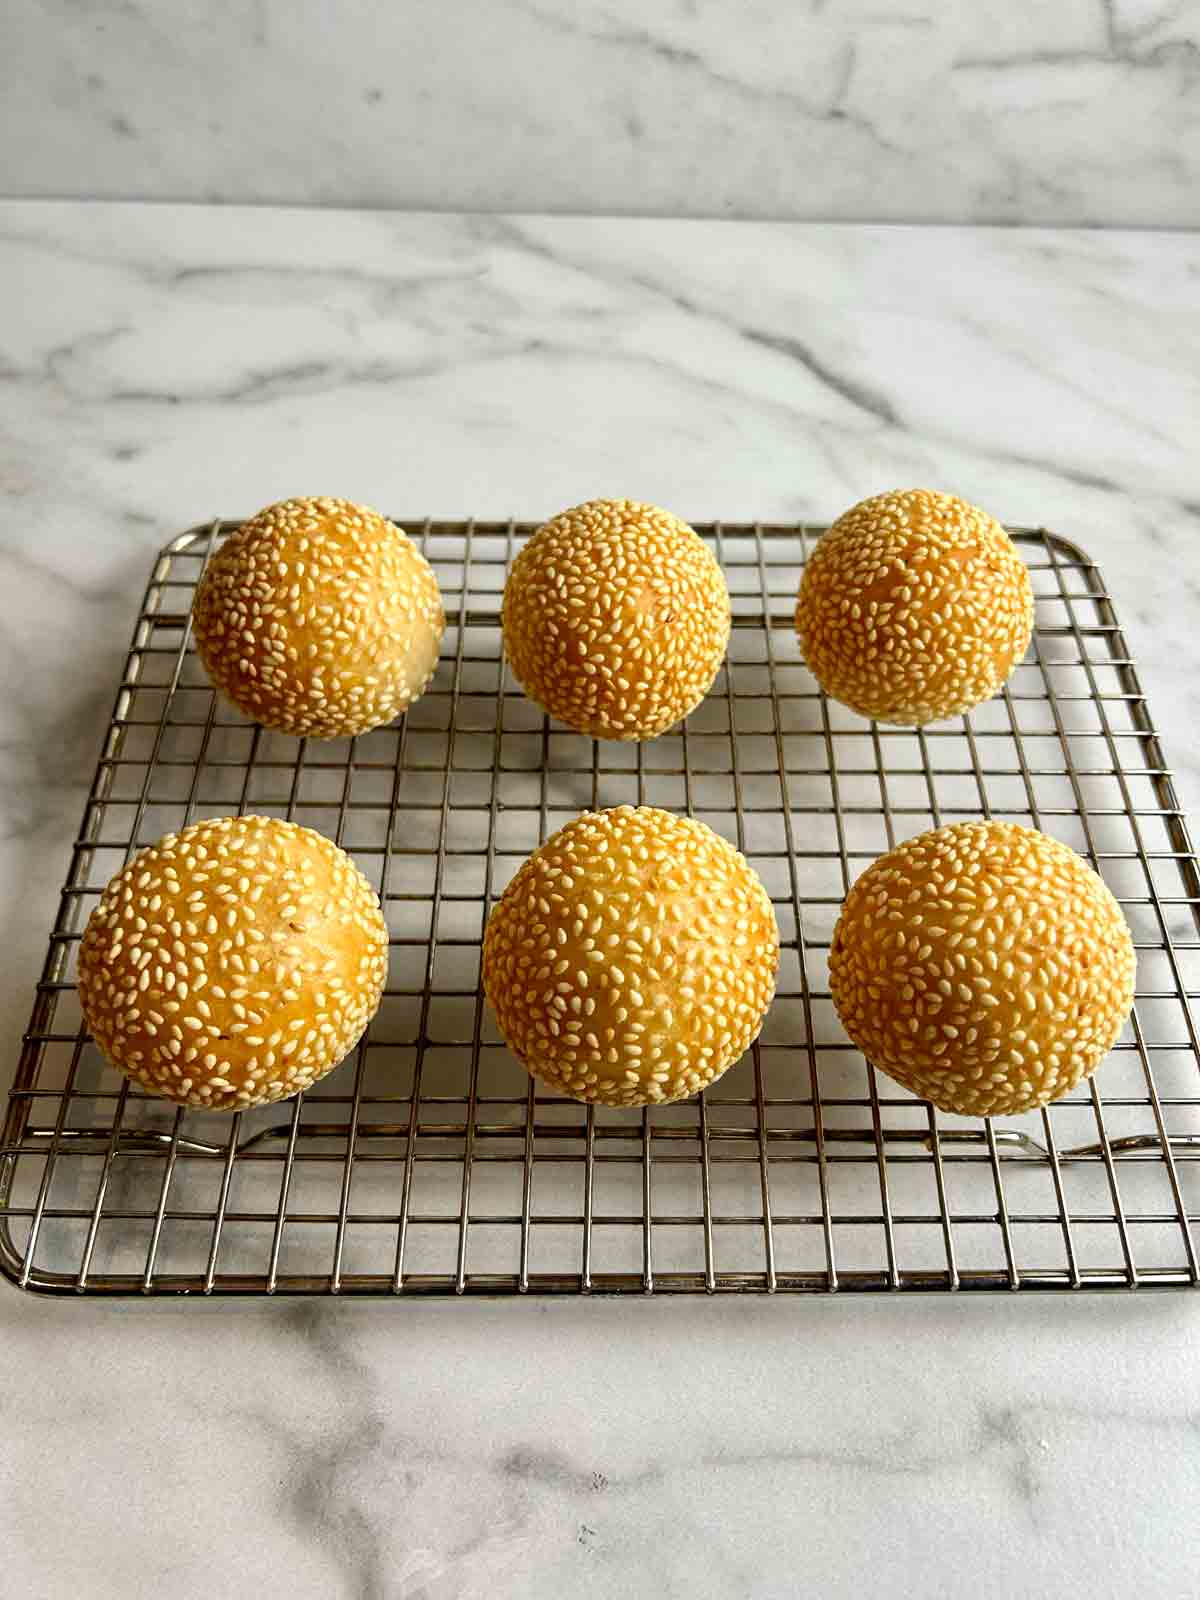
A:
[632,958]
[319,618]
[616,619]
[984,966]
[233,963]
[913,607]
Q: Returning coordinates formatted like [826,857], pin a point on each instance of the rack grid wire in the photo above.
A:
[430,1163]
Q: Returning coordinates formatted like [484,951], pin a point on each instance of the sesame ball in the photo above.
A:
[913,607]
[233,963]
[983,966]
[319,618]
[632,958]
[616,619]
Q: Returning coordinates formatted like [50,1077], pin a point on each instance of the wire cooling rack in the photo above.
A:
[430,1163]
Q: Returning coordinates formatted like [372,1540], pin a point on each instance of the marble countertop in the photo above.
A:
[161,365]
[1084,111]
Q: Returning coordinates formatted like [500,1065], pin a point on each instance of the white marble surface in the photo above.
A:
[160,365]
[1009,110]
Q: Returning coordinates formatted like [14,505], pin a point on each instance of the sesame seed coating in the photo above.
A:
[632,958]
[319,618]
[233,963]
[984,966]
[616,619]
[913,607]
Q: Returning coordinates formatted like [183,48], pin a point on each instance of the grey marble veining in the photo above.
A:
[162,365]
[1012,110]
[711,1450]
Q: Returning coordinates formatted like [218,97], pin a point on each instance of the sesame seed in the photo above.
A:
[134,1005]
[634,666]
[1015,1013]
[719,941]
[362,608]
[959,607]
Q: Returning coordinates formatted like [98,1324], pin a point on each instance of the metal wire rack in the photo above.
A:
[429,1163]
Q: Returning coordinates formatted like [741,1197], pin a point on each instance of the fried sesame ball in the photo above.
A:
[233,963]
[983,966]
[616,619]
[632,958]
[319,618]
[913,607]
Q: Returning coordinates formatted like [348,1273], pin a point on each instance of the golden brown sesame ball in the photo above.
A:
[616,619]
[983,966]
[913,607]
[632,958]
[319,617]
[233,963]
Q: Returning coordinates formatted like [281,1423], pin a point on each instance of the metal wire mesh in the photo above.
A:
[430,1163]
